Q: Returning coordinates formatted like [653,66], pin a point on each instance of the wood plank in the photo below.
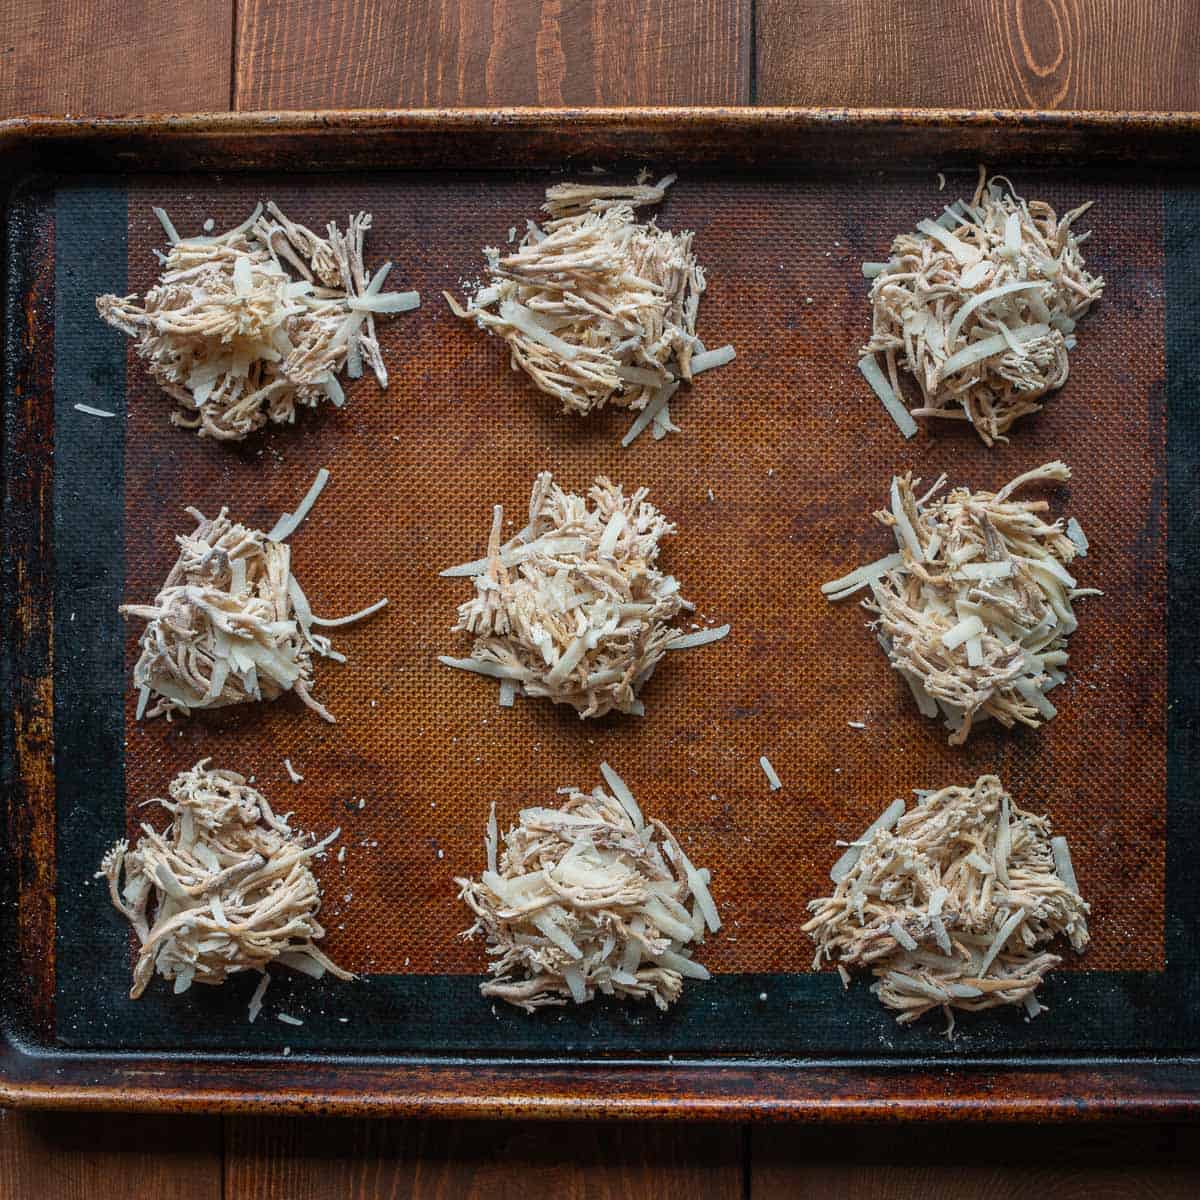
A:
[280,1159]
[1053,54]
[1101,54]
[76,1156]
[107,57]
[415,53]
[993,1162]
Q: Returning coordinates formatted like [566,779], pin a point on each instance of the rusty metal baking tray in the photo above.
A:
[782,456]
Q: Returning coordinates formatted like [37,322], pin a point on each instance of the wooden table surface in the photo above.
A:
[93,57]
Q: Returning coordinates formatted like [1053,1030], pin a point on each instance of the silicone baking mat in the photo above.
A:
[783,457]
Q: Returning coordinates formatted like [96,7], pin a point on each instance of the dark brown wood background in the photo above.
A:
[101,57]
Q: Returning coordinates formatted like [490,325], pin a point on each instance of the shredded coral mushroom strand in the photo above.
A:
[980,307]
[243,328]
[585,898]
[230,625]
[227,887]
[954,909]
[976,606]
[596,307]
[574,609]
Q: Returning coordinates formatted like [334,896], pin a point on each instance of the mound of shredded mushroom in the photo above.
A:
[589,897]
[227,887]
[231,623]
[245,326]
[597,307]
[573,608]
[975,607]
[951,904]
[980,307]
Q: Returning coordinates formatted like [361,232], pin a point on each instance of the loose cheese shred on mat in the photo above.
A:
[165,222]
[230,625]
[952,910]
[93,412]
[720,357]
[773,780]
[887,394]
[980,308]
[1076,534]
[1062,863]
[861,577]
[886,820]
[350,618]
[247,326]
[256,998]
[574,609]
[226,887]
[975,608]
[293,774]
[288,1019]
[290,522]
[598,308]
[588,897]
[701,637]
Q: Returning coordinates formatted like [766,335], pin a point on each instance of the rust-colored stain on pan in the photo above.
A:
[796,453]
[28,546]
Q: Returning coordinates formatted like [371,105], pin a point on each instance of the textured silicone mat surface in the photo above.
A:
[796,454]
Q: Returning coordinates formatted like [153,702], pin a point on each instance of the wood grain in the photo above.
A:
[98,56]
[355,1160]
[899,1181]
[109,57]
[1100,54]
[416,53]
[95,1157]
[992,1162]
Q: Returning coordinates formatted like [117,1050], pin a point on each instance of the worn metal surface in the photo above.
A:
[515,137]
[26,679]
[797,454]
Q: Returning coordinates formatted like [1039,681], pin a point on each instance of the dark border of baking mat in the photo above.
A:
[798,1016]
[89,555]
